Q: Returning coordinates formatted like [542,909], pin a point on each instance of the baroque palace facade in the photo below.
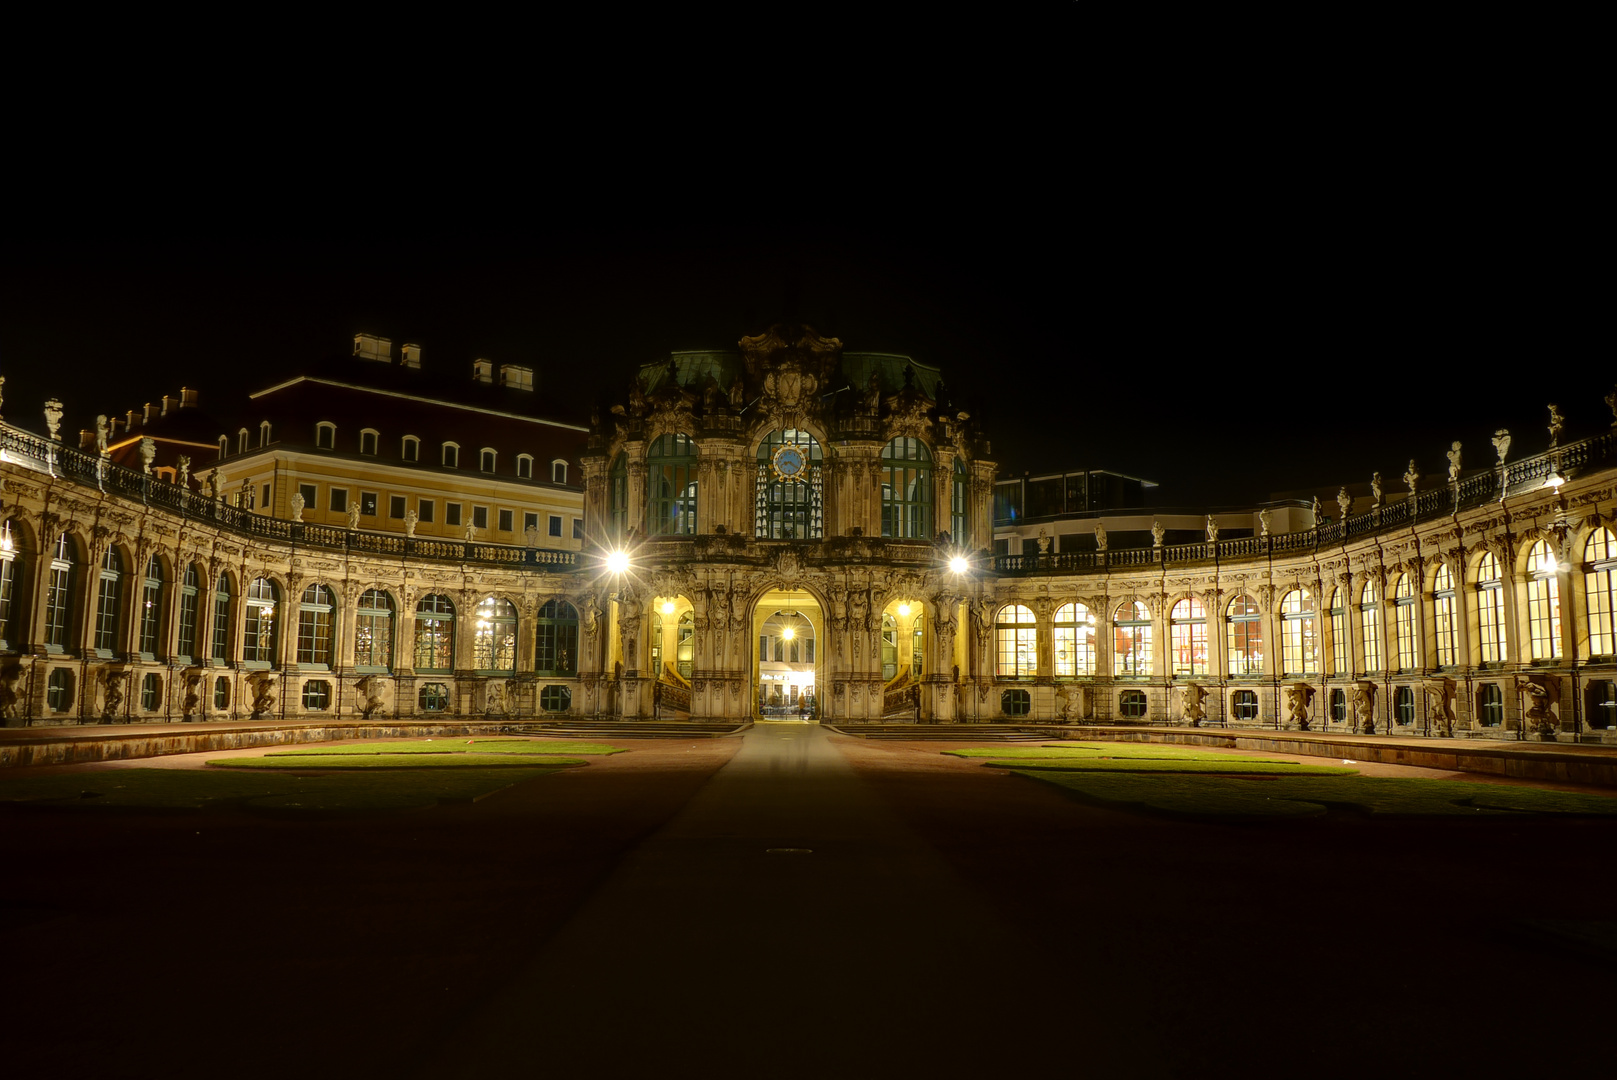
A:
[787,528]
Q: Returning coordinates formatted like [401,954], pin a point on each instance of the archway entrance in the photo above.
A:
[903,653]
[788,657]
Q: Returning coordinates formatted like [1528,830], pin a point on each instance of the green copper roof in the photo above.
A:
[889,371]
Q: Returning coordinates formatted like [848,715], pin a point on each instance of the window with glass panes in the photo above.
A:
[889,647]
[108,602]
[58,594]
[1404,622]
[258,623]
[373,631]
[685,645]
[1187,634]
[1490,610]
[1244,705]
[1017,633]
[434,634]
[1603,704]
[1600,554]
[190,607]
[9,574]
[1245,627]
[556,639]
[917,645]
[1370,625]
[1341,661]
[1443,616]
[221,619]
[1074,630]
[906,507]
[1131,641]
[1543,603]
[151,692]
[494,637]
[671,487]
[788,504]
[1404,705]
[1299,644]
[151,607]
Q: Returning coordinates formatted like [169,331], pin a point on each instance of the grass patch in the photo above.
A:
[1225,766]
[454,746]
[1086,751]
[198,788]
[1292,796]
[338,762]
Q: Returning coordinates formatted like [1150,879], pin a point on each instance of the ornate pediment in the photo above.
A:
[786,368]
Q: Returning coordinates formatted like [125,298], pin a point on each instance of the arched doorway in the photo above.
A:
[672,656]
[788,658]
[903,653]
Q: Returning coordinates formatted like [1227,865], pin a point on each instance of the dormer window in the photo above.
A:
[451,458]
[241,441]
[525,466]
[224,446]
[558,471]
[264,433]
[411,450]
[368,438]
[485,460]
[325,435]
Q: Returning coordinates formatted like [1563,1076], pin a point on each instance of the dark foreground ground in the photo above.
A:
[796,904]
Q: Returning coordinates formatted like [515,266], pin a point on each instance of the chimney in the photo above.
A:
[113,426]
[146,416]
[516,376]
[483,371]
[170,404]
[188,398]
[86,439]
[371,347]
[410,356]
[132,419]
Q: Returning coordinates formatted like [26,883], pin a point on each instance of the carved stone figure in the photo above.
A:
[1412,477]
[218,478]
[53,419]
[1375,489]
[494,701]
[1065,693]
[1501,443]
[371,690]
[530,536]
[738,394]
[1192,703]
[101,434]
[1264,517]
[873,396]
[8,688]
[183,465]
[858,607]
[1364,718]
[1044,540]
[1319,512]
[1100,537]
[592,614]
[471,533]
[192,699]
[1299,696]
[1439,692]
[1541,693]
[1557,422]
[297,507]
[262,687]
[1454,463]
[1157,532]
[112,694]
[148,453]
[1344,502]
[1212,530]
[411,519]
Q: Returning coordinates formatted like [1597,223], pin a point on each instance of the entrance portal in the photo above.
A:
[789,657]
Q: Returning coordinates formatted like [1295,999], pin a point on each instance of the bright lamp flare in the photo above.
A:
[788,633]
[903,611]
[617,562]
[959,565]
[668,607]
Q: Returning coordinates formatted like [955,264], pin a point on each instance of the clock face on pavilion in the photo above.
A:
[788,463]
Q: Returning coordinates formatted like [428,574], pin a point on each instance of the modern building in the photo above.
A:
[783,527]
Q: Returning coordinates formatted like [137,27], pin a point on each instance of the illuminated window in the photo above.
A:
[789,501]
[258,625]
[1131,704]
[671,480]
[1299,643]
[1244,705]
[1490,610]
[685,645]
[221,619]
[1017,632]
[906,490]
[58,595]
[12,571]
[373,632]
[556,698]
[1448,648]
[494,637]
[1015,702]
[1600,553]
[1131,641]
[1543,603]
[108,602]
[1187,628]
[1404,622]
[434,634]
[151,608]
[1245,636]
[190,612]
[556,639]
[325,435]
[434,697]
[1074,629]
[1370,624]
[315,625]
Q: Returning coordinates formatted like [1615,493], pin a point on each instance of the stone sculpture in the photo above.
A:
[1100,537]
[1501,443]
[1192,702]
[1454,463]
[297,507]
[1299,696]
[410,520]
[53,419]
[1557,422]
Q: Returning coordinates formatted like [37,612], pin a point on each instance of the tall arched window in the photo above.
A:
[1299,643]
[1131,641]
[1187,629]
[59,595]
[108,603]
[656,645]
[685,645]
[434,648]
[221,619]
[959,505]
[258,624]
[789,504]
[1404,622]
[1341,662]
[1074,641]
[889,647]
[1443,615]
[555,649]
[1245,636]
[617,491]
[494,641]
[1370,624]
[151,608]
[316,623]
[12,572]
[1600,553]
[1490,610]
[917,644]
[1018,634]
[190,612]
[671,486]
[906,490]
[373,632]
[1543,603]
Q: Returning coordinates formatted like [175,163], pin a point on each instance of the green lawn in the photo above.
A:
[281,790]
[334,762]
[1119,751]
[454,745]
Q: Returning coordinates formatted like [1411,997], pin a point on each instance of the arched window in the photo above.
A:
[1403,607]
[671,486]
[221,619]
[368,440]
[1491,705]
[373,632]
[1187,629]
[224,446]
[1244,705]
[618,497]
[1443,615]
[258,624]
[325,435]
[789,504]
[190,611]
[917,645]
[108,604]
[525,466]
[13,579]
[263,433]
[1341,662]
[494,641]
[657,645]
[450,455]
[906,490]
[486,459]
[558,471]
[1245,636]
[434,634]
[1543,603]
[1403,700]
[685,645]
[1490,610]
[410,448]
[241,441]
[1131,641]
[959,506]
[59,595]
[151,608]
[1018,636]
[1600,553]
[555,650]
[1370,624]
[889,647]
[1299,644]
[1074,641]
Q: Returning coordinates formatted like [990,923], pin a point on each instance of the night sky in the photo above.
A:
[1223,326]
